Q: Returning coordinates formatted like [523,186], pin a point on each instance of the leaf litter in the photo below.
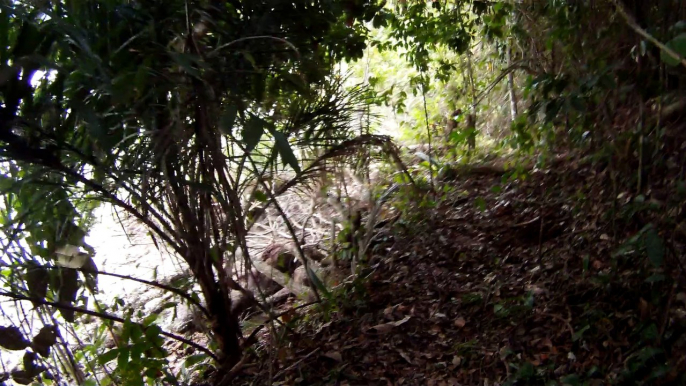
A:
[523,289]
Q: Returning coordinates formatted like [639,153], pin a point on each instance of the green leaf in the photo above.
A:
[286,151]
[260,196]
[4,34]
[579,334]
[480,203]
[253,131]
[195,359]
[186,62]
[656,278]
[651,333]
[227,119]
[108,356]
[150,319]
[136,332]
[571,380]
[678,44]
[318,283]
[123,358]
[28,41]
[655,248]
[137,351]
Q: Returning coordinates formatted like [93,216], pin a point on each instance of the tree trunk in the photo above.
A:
[510,83]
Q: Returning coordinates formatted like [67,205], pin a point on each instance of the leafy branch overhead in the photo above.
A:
[163,110]
[451,192]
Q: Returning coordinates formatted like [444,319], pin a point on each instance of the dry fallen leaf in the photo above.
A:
[335,355]
[643,308]
[386,327]
[382,328]
[405,357]
[402,321]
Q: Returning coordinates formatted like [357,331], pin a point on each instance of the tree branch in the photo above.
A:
[631,22]
[103,315]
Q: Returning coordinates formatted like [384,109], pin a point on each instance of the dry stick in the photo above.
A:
[563,320]
[157,284]
[106,316]
[665,318]
[631,22]
[294,365]
[428,133]
[249,340]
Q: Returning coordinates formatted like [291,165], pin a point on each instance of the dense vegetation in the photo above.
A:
[197,118]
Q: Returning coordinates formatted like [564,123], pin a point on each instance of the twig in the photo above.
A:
[252,338]
[631,22]
[102,315]
[563,320]
[231,374]
[665,319]
[156,284]
[294,365]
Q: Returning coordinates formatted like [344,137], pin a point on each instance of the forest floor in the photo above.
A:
[496,282]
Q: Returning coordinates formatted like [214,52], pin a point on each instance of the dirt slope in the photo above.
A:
[514,283]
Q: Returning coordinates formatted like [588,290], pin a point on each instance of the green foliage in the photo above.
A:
[678,45]
[162,110]
[139,355]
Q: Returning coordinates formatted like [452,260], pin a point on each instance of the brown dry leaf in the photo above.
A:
[335,355]
[282,354]
[643,308]
[402,321]
[460,322]
[405,357]
[388,312]
[382,328]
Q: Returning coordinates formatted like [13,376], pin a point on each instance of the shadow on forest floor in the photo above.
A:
[518,282]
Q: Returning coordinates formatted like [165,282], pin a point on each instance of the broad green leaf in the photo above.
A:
[136,332]
[186,61]
[137,351]
[286,151]
[195,359]
[579,334]
[318,283]
[123,358]
[260,196]
[150,319]
[651,333]
[4,34]
[655,248]
[28,41]
[480,203]
[108,356]
[252,132]
[678,44]
[656,278]
[227,119]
